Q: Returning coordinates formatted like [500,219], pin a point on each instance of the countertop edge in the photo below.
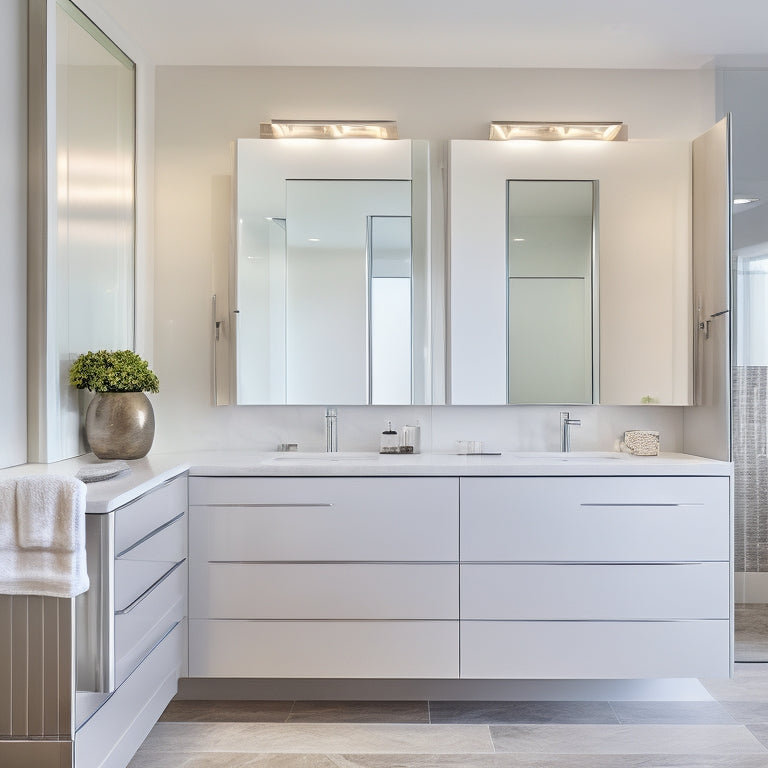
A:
[155,469]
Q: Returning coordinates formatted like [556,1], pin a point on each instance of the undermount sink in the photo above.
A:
[324,458]
[569,456]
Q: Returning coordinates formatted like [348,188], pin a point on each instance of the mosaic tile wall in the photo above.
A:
[750,420]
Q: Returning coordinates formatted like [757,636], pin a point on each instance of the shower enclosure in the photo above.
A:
[743,92]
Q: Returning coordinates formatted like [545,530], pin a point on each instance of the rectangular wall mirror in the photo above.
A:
[550,274]
[330,273]
[83,212]
[523,326]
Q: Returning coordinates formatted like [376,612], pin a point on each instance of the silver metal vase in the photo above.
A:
[120,425]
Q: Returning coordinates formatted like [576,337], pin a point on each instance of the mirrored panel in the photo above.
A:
[550,269]
[330,295]
[503,310]
[81,246]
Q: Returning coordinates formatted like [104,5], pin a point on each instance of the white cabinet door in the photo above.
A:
[333,649]
[325,519]
[595,519]
[597,649]
[325,591]
[644,254]
[598,592]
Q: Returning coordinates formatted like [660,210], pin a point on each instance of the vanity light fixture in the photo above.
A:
[504,131]
[330,129]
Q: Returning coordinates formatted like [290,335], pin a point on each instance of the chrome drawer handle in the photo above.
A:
[151,534]
[269,506]
[145,594]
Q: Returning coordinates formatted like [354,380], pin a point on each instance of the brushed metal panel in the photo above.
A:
[51,663]
[36,682]
[19,718]
[66,681]
[6,664]
[36,754]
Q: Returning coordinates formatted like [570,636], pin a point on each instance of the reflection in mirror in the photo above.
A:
[328,281]
[330,294]
[390,309]
[95,162]
[550,268]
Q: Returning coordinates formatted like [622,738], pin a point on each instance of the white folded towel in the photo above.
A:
[42,536]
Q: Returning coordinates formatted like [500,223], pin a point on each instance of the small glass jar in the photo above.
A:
[389,442]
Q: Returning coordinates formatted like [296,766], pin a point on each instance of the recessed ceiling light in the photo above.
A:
[313,239]
[518,239]
[745,200]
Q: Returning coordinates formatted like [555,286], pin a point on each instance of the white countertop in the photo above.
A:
[106,495]
[512,463]
[149,472]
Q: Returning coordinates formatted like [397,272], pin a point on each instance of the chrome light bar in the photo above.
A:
[330,129]
[506,131]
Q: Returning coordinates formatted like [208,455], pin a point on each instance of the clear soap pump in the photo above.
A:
[389,442]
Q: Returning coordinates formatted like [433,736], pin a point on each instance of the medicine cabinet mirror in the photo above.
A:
[330,273]
[522,326]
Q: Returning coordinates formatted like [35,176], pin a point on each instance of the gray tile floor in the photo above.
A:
[730,731]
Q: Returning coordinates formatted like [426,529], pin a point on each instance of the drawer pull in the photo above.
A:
[164,484]
[272,506]
[145,594]
[643,504]
[151,534]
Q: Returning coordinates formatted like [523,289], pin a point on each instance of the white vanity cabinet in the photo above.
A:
[595,577]
[324,577]
[496,576]
[131,629]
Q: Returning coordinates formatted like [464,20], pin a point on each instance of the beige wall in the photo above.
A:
[200,110]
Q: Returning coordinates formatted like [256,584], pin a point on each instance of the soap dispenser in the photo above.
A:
[389,442]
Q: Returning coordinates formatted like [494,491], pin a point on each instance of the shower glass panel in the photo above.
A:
[750,421]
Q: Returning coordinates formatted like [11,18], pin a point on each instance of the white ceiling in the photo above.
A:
[675,34]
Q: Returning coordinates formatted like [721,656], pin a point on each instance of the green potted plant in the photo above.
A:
[119,422]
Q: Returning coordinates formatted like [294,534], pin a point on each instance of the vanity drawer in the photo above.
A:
[599,649]
[595,519]
[325,591]
[143,564]
[572,592]
[140,625]
[324,519]
[327,649]
[110,738]
[140,518]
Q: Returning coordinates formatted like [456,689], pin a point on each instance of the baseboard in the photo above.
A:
[671,689]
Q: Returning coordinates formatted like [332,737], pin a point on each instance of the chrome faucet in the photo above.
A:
[566,422]
[331,434]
